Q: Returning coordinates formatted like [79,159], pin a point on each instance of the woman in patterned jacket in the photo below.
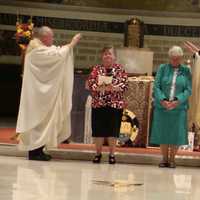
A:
[107,83]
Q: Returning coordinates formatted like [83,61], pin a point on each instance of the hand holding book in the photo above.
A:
[104,80]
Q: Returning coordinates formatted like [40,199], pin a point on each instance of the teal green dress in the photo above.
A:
[170,126]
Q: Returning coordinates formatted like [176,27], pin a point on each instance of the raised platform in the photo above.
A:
[86,152]
[123,155]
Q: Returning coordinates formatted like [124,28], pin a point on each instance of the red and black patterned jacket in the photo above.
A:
[113,99]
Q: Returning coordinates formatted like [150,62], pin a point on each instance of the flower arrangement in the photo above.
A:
[23,33]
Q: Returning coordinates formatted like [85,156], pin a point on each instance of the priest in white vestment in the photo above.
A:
[194,111]
[46,96]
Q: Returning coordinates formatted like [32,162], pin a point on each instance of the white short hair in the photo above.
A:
[175,51]
[42,31]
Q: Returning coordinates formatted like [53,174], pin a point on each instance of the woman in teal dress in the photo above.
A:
[172,88]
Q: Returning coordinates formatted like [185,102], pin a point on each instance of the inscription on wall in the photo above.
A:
[172,30]
[69,24]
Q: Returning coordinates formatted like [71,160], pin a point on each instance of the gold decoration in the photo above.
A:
[134,34]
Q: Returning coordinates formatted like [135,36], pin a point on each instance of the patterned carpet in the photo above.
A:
[7,133]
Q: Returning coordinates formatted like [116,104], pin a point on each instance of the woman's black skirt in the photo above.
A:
[106,122]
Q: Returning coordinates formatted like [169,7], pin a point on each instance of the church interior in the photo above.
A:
[142,33]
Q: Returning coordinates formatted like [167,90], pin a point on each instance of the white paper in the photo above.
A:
[104,80]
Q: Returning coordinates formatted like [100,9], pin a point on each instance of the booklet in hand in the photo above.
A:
[104,80]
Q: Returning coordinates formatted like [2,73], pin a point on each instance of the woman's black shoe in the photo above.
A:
[97,158]
[163,164]
[112,159]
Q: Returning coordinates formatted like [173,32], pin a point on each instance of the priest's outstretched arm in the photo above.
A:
[75,40]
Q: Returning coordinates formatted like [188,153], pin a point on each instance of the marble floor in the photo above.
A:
[21,179]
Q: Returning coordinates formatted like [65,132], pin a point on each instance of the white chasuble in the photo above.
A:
[194,111]
[46,96]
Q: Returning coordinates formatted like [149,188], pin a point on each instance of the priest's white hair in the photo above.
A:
[42,31]
[175,51]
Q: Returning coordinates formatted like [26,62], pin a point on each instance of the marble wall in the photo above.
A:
[103,26]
